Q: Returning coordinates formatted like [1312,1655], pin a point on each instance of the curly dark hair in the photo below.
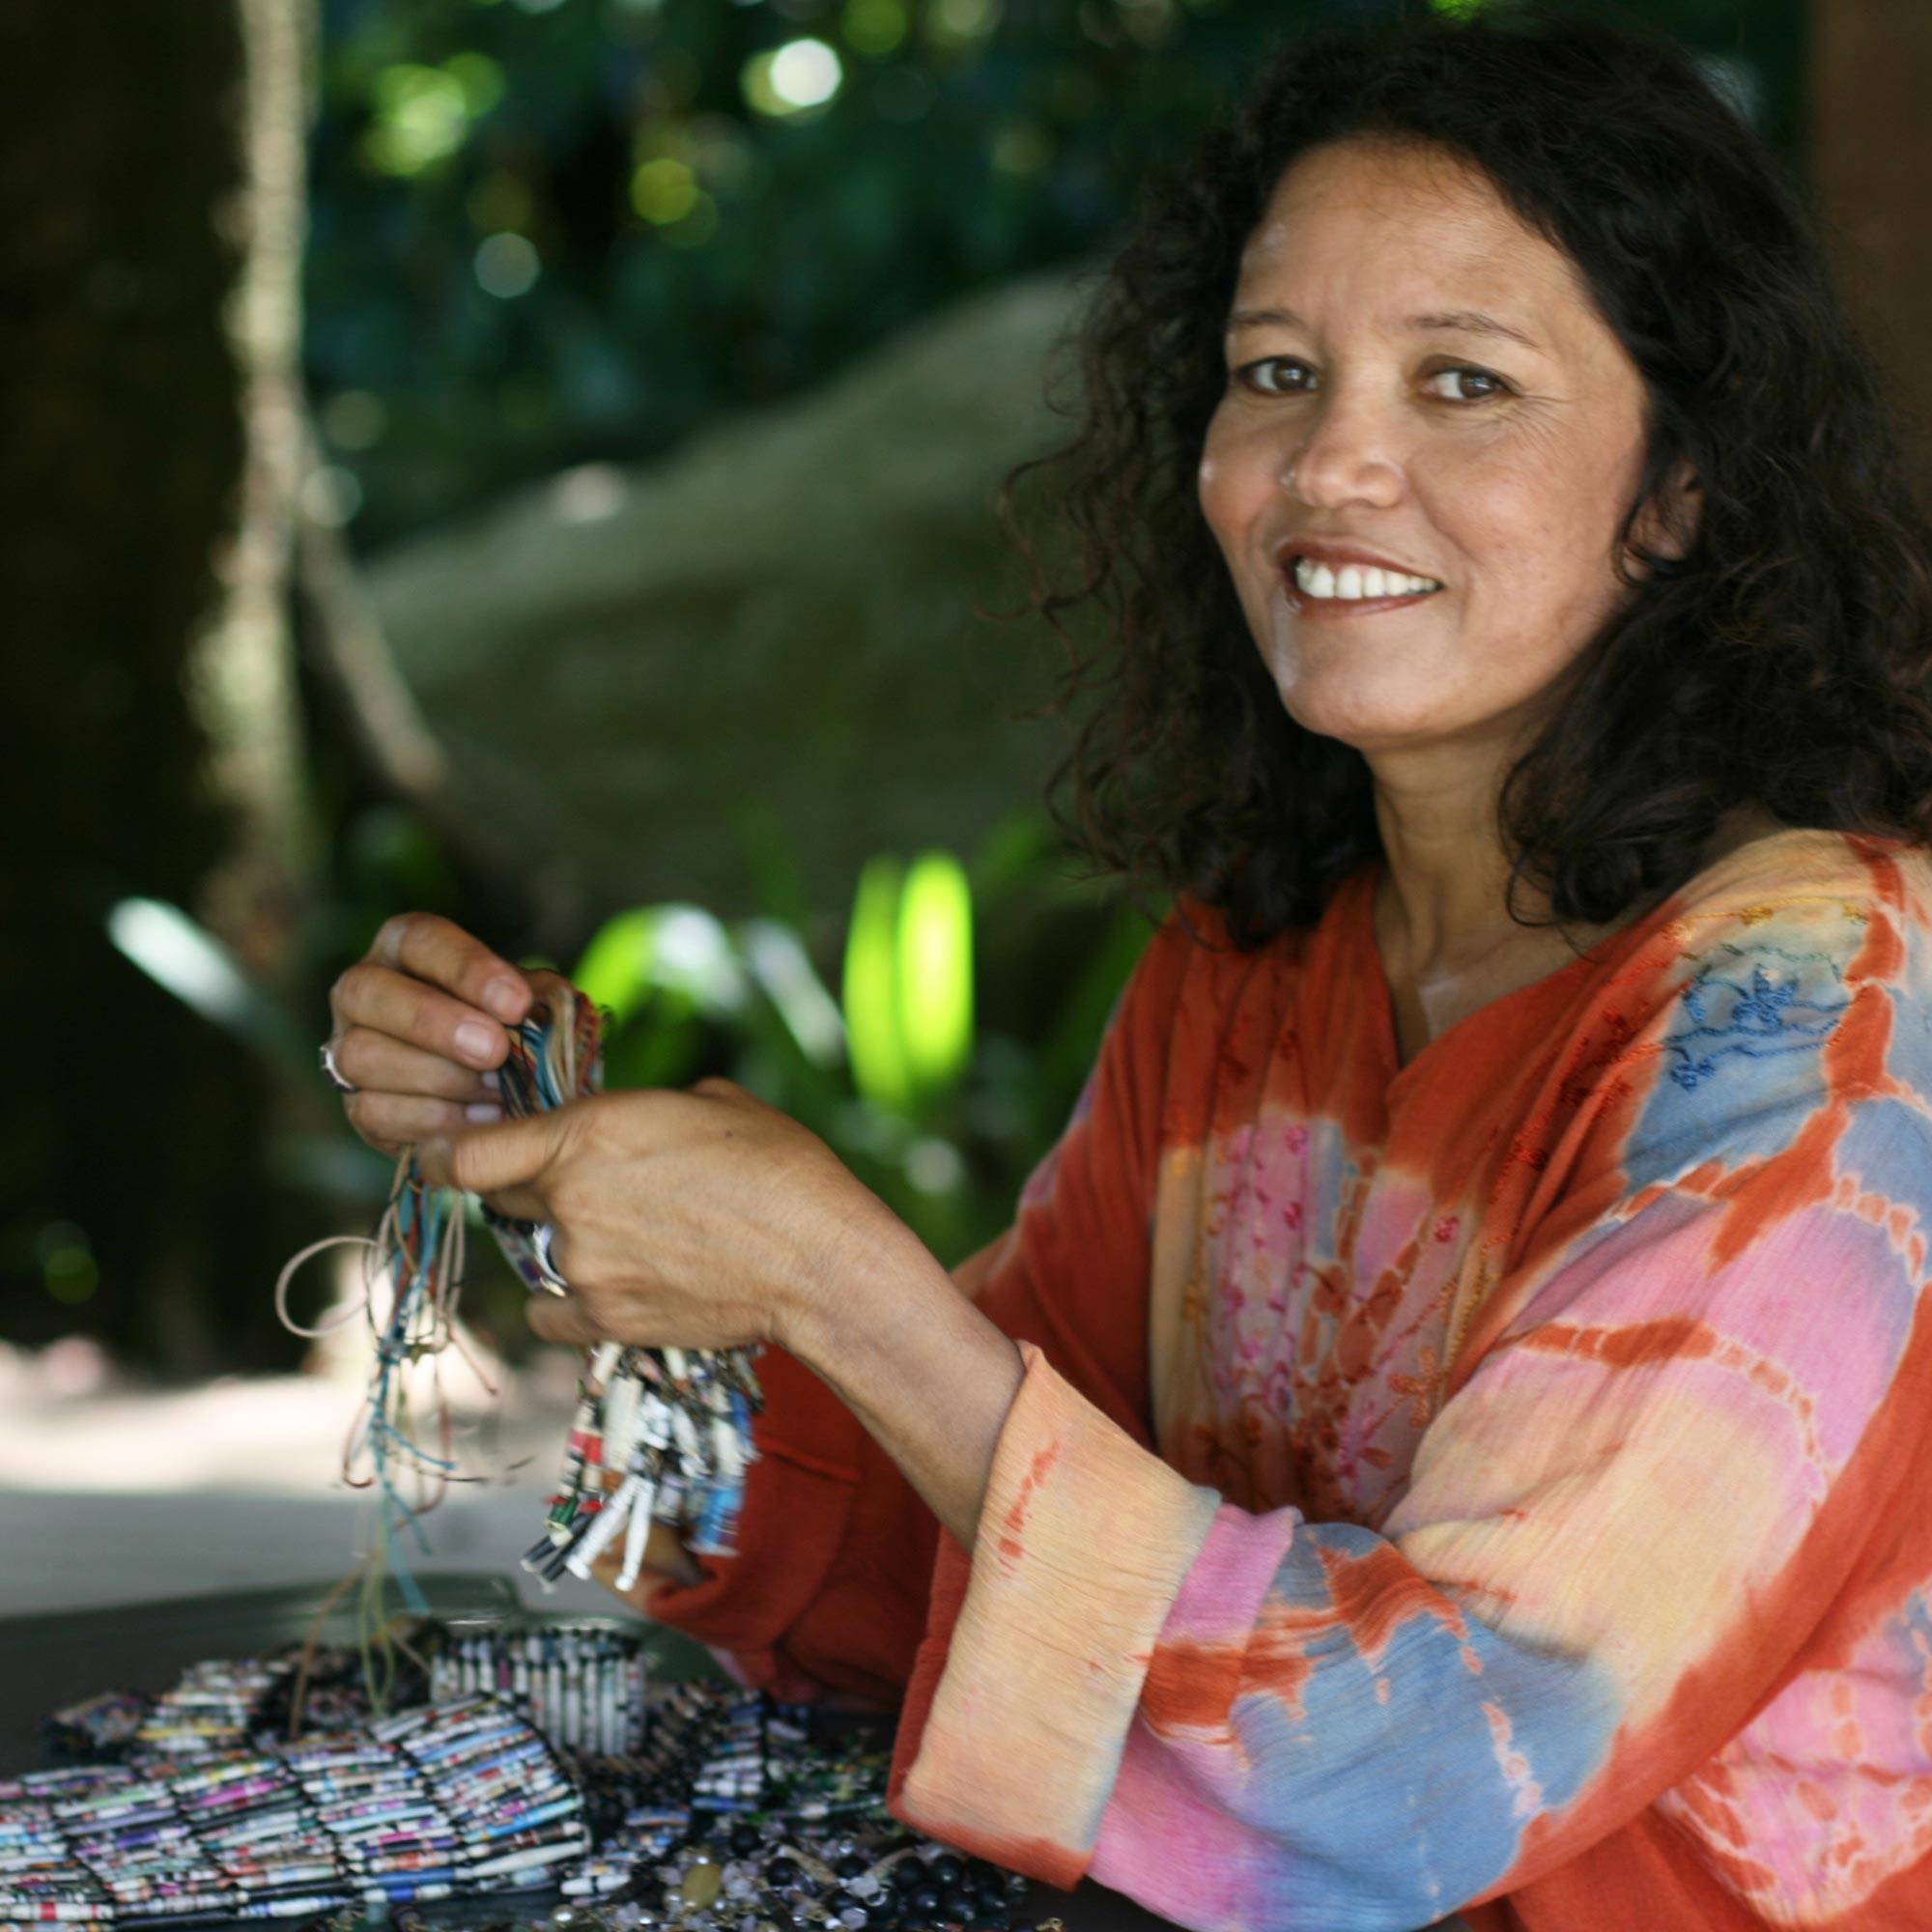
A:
[1782,662]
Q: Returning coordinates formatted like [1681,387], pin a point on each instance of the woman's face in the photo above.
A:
[1378,399]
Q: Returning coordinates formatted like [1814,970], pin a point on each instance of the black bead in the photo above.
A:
[744,1840]
[945,1868]
[908,1875]
[852,1864]
[925,1901]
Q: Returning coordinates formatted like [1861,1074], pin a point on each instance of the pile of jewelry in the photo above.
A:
[213,1708]
[743,1823]
[434,1802]
[723,1810]
[670,1427]
[581,1682]
[439,1802]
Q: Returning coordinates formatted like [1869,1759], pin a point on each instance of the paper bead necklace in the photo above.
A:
[671,1426]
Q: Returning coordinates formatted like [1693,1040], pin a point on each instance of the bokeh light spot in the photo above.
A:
[480,78]
[872,28]
[664,190]
[507,265]
[421,115]
[958,24]
[793,79]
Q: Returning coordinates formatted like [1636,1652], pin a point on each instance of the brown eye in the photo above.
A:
[1497,386]
[1248,374]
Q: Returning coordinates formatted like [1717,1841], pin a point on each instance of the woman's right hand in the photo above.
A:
[420,1030]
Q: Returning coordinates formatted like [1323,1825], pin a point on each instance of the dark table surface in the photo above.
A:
[57,1659]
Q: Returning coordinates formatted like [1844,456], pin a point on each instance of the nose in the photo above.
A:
[1346,456]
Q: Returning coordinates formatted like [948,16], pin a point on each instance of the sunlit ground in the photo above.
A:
[113,1492]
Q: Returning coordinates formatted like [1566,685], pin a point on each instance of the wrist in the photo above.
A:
[874,1274]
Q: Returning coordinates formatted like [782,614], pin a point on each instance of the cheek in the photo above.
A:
[1535,520]
[1536,543]
[1231,482]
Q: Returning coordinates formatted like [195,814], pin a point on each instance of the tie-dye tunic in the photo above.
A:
[1491,1490]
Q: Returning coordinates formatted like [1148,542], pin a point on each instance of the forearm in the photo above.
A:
[930,1376]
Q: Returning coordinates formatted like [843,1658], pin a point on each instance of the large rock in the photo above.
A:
[645,677]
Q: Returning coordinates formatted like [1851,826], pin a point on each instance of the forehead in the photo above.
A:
[1397,227]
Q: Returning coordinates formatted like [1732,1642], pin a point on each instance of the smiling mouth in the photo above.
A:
[1323,589]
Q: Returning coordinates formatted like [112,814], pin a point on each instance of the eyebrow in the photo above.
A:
[1466,321]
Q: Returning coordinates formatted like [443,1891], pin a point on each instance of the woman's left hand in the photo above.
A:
[692,1218]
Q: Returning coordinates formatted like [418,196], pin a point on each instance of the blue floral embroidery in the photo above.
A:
[1775,1013]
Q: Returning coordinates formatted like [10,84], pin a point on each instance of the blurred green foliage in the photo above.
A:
[547,232]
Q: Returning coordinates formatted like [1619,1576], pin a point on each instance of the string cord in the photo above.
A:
[659,1433]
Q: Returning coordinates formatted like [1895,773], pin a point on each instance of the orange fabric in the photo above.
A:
[1529,1438]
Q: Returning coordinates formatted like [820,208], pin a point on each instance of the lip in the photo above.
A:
[1335,554]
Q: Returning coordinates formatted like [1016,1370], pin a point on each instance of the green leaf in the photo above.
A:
[870,987]
[935,971]
[616,969]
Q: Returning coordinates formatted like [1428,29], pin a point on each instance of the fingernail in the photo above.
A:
[484,1110]
[493,1080]
[504,998]
[475,1041]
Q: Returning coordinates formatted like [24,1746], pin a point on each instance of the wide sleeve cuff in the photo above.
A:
[797,1495]
[1083,1542]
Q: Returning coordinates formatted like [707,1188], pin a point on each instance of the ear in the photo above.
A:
[1669,521]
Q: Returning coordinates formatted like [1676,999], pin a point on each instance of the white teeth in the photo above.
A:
[1356,581]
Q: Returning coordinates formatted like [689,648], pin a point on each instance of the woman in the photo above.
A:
[1440,1440]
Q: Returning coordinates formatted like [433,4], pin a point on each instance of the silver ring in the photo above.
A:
[540,1240]
[335,1073]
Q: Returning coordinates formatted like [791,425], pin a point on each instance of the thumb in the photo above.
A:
[561,1319]
[488,1160]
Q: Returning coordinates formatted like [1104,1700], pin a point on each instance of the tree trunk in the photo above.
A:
[1871,147]
[132,1204]
[242,676]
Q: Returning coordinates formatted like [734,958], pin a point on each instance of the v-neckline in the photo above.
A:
[1375,977]
[1371,974]
[1399,1075]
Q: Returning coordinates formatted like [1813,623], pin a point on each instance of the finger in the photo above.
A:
[430,948]
[392,1122]
[376,1060]
[562,1319]
[520,1204]
[420,1016]
[492,1159]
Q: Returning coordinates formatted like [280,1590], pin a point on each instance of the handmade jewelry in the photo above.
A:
[660,1434]
[729,1817]
[440,1800]
[582,1683]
